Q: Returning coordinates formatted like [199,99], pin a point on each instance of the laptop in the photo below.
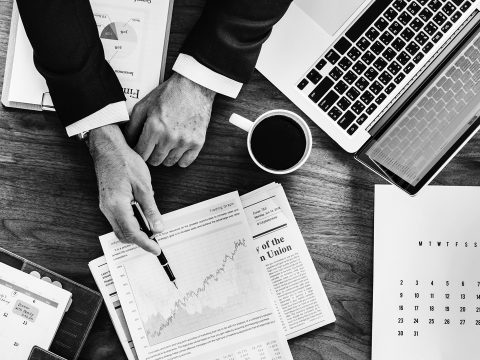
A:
[395,82]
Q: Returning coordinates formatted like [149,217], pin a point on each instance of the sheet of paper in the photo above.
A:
[104,281]
[133,35]
[426,300]
[298,294]
[30,312]
[221,309]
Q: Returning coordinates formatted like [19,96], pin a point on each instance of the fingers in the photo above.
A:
[188,158]
[147,201]
[120,215]
[158,155]
[147,141]
[174,155]
[134,126]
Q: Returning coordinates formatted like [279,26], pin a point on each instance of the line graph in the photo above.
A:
[216,283]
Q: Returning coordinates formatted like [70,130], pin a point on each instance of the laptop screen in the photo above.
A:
[439,114]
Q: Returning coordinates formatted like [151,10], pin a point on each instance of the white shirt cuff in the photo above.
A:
[187,66]
[110,114]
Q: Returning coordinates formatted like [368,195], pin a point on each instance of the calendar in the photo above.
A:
[30,312]
[426,301]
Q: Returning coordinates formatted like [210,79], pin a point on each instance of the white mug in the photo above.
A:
[249,126]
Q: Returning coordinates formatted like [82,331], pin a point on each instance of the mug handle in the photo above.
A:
[241,122]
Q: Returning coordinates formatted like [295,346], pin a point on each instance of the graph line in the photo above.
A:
[182,303]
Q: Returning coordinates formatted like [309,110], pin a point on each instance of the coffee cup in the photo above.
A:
[278,141]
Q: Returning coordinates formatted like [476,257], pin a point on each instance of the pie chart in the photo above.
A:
[119,40]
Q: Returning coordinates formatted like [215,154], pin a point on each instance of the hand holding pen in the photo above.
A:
[145,227]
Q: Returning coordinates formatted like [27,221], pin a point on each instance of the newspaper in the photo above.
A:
[298,294]
[219,306]
[104,281]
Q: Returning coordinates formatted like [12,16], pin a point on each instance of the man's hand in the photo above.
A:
[169,125]
[122,175]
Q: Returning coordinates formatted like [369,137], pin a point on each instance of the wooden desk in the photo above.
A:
[49,209]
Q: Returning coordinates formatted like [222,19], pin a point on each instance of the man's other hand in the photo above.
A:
[122,175]
[169,125]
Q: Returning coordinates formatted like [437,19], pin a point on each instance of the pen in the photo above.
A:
[145,227]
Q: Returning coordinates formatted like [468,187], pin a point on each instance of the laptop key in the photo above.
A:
[465,6]
[405,18]
[386,38]
[359,67]
[399,4]
[367,97]
[377,47]
[403,58]
[346,120]
[371,74]
[371,109]
[342,45]
[358,107]
[335,113]
[428,46]
[446,26]
[353,93]
[416,24]
[361,119]
[434,5]
[412,48]
[363,44]
[341,87]
[301,85]
[381,24]
[376,88]
[321,89]
[332,57]
[430,28]
[390,14]
[314,76]
[456,16]
[398,44]
[409,68]
[395,28]
[350,77]
[361,83]
[413,8]
[336,73]
[399,78]
[385,78]
[390,88]
[425,14]
[407,34]
[351,130]
[368,58]
[437,37]
[327,102]
[418,58]
[380,98]
[380,64]
[439,19]
[448,8]
[389,54]
[343,103]
[354,53]
[320,65]
[421,38]
[372,34]
[345,63]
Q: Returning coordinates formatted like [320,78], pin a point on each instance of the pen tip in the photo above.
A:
[174,283]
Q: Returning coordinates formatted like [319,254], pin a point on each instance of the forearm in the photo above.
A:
[69,55]
[230,33]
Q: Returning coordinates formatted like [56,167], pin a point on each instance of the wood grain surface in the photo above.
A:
[49,208]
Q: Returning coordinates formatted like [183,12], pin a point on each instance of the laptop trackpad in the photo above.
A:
[330,15]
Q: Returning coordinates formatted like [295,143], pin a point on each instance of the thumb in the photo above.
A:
[150,209]
[135,125]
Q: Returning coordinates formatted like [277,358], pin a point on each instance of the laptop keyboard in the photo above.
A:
[422,132]
[366,64]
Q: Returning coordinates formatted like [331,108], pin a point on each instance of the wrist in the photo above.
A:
[193,86]
[105,139]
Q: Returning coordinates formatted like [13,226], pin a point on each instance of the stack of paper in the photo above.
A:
[245,282]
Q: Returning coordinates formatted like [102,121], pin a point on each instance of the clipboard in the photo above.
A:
[77,321]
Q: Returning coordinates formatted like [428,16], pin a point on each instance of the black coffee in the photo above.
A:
[278,142]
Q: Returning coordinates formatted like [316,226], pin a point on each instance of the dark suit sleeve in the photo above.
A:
[69,55]
[229,35]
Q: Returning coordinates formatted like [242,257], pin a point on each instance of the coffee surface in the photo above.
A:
[278,142]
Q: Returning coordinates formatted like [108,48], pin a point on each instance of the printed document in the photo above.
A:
[222,308]
[426,285]
[299,297]
[134,35]
[104,281]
